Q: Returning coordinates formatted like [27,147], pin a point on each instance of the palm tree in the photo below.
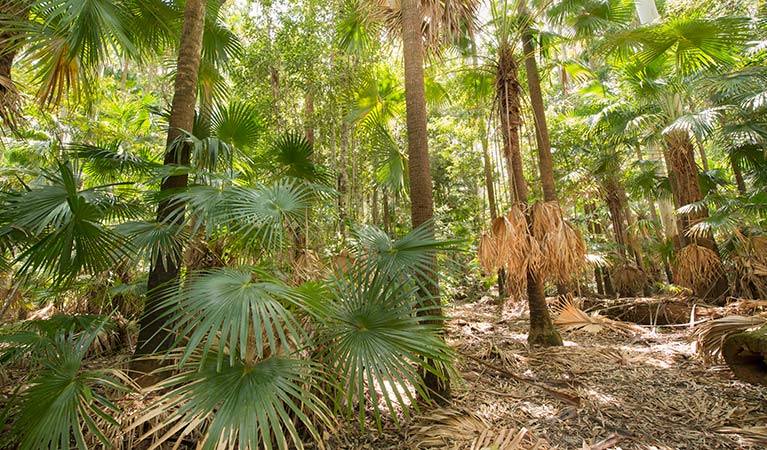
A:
[674,56]
[421,200]
[152,336]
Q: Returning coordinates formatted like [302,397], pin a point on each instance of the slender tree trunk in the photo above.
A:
[152,336]
[421,200]
[489,177]
[343,179]
[309,115]
[545,161]
[738,175]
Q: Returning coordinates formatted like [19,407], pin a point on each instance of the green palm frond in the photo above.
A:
[63,401]
[68,39]
[412,255]
[371,338]
[260,215]
[109,162]
[148,240]
[291,155]
[243,310]
[239,124]
[589,18]
[694,43]
[263,404]
[64,226]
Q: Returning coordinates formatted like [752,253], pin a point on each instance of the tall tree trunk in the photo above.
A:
[421,200]
[309,115]
[545,161]
[152,336]
[343,179]
[683,174]
[542,331]
[489,177]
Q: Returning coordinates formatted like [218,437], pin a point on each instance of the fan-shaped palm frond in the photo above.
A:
[370,336]
[110,162]
[64,400]
[64,227]
[239,405]
[291,155]
[67,39]
[242,310]
[148,240]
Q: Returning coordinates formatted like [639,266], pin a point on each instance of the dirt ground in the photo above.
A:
[637,389]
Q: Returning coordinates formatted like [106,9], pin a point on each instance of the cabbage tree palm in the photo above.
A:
[673,56]
[152,336]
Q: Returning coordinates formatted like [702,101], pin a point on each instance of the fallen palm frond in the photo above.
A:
[753,435]
[444,427]
[749,261]
[596,260]
[697,268]
[709,337]
[568,316]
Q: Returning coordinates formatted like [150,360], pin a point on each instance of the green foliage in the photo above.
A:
[63,402]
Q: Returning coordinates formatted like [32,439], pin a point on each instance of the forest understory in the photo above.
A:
[638,388]
[613,385]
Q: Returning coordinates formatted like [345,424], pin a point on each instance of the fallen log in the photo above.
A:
[745,354]
[651,311]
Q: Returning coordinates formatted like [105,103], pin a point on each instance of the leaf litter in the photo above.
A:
[613,385]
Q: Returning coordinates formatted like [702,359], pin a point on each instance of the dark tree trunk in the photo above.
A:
[421,200]
[741,183]
[152,336]
[343,179]
[489,177]
[608,282]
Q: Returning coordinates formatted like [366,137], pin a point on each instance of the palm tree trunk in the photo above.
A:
[421,200]
[741,183]
[545,161]
[683,174]
[493,207]
[542,331]
[152,337]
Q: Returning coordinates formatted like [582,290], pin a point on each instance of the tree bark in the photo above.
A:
[741,183]
[152,336]
[683,174]
[545,161]
[343,179]
[421,197]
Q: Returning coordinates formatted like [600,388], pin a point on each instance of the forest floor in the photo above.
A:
[636,389]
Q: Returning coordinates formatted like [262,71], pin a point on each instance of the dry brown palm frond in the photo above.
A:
[501,230]
[444,21]
[308,266]
[444,427]
[749,261]
[697,267]
[565,252]
[536,260]
[710,336]
[487,254]
[568,316]
[628,280]
[546,217]
[753,435]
